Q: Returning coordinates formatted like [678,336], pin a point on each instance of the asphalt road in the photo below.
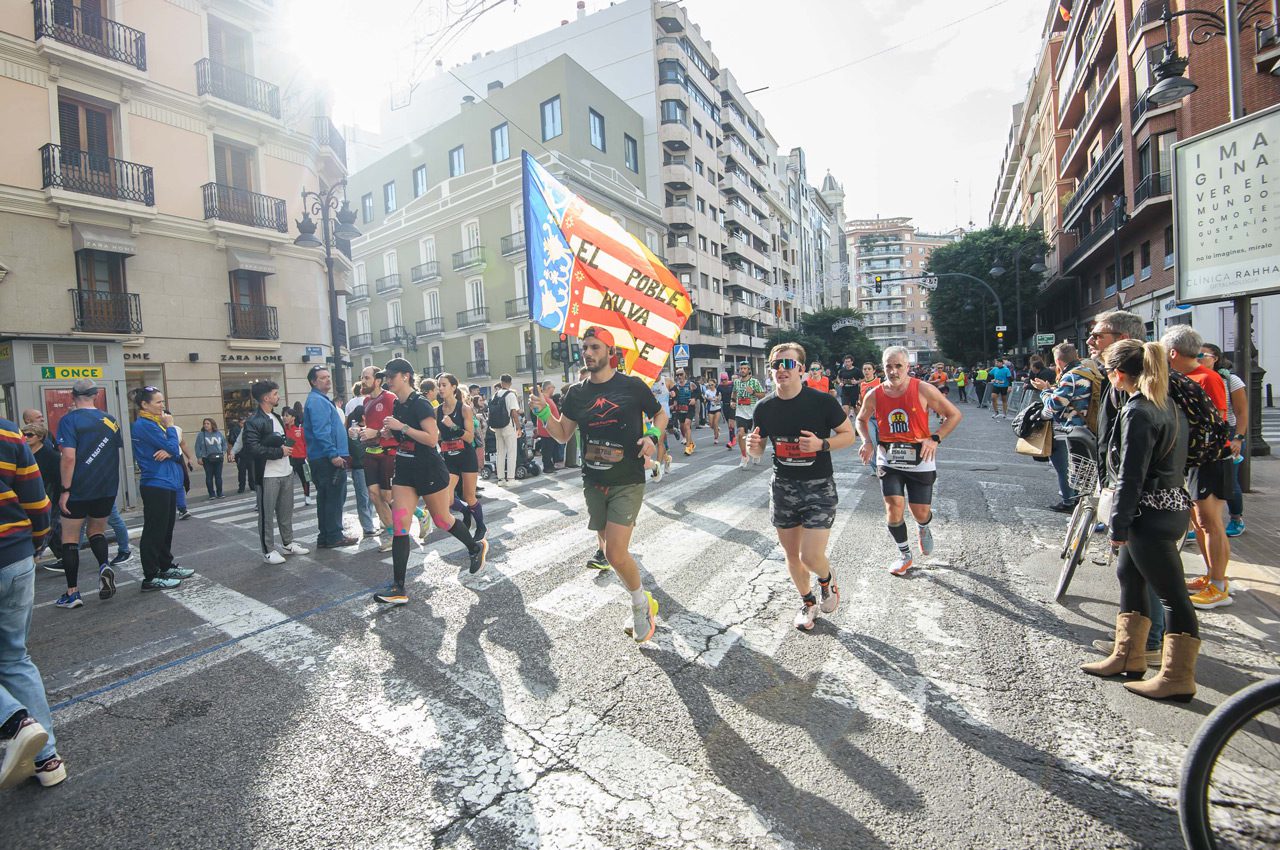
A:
[279,707]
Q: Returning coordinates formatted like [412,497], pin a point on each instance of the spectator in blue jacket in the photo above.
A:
[155,445]
[1067,404]
[328,457]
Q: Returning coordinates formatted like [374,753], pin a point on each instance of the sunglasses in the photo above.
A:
[30,435]
[785,363]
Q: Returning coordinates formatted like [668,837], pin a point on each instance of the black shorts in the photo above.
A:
[425,472]
[742,423]
[849,396]
[379,469]
[1215,479]
[90,508]
[464,461]
[810,504]
[999,390]
[916,486]
[681,415]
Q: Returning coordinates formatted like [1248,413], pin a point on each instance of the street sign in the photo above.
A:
[1002,327]
[1044,339]
[314,351]
[680,353]
[69,373]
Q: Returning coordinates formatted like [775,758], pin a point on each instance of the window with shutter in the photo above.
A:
[68,125]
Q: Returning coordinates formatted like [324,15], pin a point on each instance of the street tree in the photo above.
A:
[825,345]
[957,307]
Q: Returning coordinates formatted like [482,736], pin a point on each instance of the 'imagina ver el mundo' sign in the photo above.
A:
[1224,213]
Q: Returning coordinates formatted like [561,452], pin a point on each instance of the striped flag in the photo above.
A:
[584,269]
[1064,9]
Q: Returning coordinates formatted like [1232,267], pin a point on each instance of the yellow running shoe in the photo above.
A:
[644,619]
[1211,597]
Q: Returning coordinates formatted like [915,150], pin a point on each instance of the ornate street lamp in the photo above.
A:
[328,205]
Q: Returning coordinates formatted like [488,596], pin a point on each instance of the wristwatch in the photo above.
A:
[1238,437]
[826,445]
[935,438]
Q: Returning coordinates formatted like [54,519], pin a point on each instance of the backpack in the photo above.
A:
[1092,373]
[1210,435]
[499,416]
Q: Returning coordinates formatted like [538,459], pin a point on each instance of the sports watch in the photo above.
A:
[935,438]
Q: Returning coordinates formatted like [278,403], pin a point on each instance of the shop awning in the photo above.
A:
[239,259]
[92,237]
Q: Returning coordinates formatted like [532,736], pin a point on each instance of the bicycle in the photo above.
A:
[1229,790]
[1082,475]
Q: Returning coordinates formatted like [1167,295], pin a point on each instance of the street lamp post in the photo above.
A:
[329,204]
[1038,266]
[1169,87]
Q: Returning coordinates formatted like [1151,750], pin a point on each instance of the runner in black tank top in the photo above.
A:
[458,448]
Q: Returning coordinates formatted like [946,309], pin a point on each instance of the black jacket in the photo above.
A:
[1147,451]
[260,443]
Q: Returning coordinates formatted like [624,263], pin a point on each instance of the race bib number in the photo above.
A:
[451,446]
[903,454]
[745,399]
[682,408]
[602,455]
[789,453]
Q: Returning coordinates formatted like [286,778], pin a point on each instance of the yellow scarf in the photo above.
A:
[156,419]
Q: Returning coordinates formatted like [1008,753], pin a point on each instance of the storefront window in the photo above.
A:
[136,377]
[236,400]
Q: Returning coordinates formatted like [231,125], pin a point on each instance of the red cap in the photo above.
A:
[600,334]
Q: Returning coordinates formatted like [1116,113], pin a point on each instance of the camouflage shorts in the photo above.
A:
[811,504]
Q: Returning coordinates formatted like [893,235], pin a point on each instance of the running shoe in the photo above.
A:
[106,582]
[903,564]
[52,771]
[478,555]
[1211,597]
[159,583]
[1235,527]
[598,561]
[716,441]
[273,557]
[733,442]
[306,500]
[806,615]
[666,464]
[656,472]
[830,593]
[384,543]
[1199,583]
[644,619]
[177,573]
[742,464]
[688,448]
[69,600]
[926,540]
[392,596]
[54,567]
[20,753]
[295,548]
[756,460]
[121,558]
[184,514]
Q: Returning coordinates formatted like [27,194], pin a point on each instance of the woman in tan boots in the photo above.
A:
[1145,456]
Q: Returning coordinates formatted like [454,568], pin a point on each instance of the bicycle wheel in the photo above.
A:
[1071,529]
[1229,793]
[1079,544]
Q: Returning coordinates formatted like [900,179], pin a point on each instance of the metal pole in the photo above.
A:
[1017,295]
[1243,306]
[338,381]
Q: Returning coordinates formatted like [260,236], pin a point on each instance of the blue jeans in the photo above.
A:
[364,507]
[20,685]
[1059,458]
[330,483]
[118,528]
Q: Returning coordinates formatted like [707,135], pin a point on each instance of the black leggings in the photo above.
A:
[299,465]
[1151,558]
[158,514]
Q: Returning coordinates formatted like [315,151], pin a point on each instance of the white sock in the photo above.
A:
[638,598]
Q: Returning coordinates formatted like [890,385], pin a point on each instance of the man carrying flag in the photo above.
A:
[610,407]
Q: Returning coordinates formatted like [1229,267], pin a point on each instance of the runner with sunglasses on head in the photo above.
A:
[746,392]
[905,448]
[610,408]
[420,474]
[805,425]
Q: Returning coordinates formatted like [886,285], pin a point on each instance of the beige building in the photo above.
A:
[440,274]
[153,156]
[895,311]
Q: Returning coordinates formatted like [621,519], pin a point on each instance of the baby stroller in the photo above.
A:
[527,463]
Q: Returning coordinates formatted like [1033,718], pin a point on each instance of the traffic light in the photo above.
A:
[576,353]
[999,334]
[879,284]
[558,353]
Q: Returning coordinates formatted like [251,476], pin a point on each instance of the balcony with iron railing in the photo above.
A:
[513,243]
[387,283]
[524,361]
[93,174]
[240,206]
[252,321]
[393,334]
[427,272]
[1155,185]
[469,258]
[1090,40]
[430,326]
[1147,14]
[94,311]
[358,292]
[328,136]
[85,29]
[1090,240]
[1094,177]
[477,368]
[518,308]
[471,318]
[1090,112]
[363,340]
[235,86]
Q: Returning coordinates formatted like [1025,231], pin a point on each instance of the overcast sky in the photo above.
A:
[918,130]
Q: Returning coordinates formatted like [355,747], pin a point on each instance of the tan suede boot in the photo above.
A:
[1128,657]
[1177,677]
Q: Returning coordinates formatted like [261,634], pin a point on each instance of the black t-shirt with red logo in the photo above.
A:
[611,418]
[782,420]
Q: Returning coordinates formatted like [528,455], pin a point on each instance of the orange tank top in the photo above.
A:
[903,419]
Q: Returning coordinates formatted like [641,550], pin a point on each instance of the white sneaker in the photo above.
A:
[273,557]
[756,460]
[657,472]
[901,566]
[306,500]
[644,619]
[926,540]
[384,543]
[806,615]
[296,549]
[829,595]
[743,463]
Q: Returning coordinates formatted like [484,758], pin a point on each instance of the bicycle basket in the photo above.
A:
[1082,473]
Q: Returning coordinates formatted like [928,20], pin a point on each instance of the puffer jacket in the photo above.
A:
[1147,452]
[261,443]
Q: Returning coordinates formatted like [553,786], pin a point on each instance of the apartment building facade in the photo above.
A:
[897,314]
[1090,164]
[729,200]
[440,273]
[151,161]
